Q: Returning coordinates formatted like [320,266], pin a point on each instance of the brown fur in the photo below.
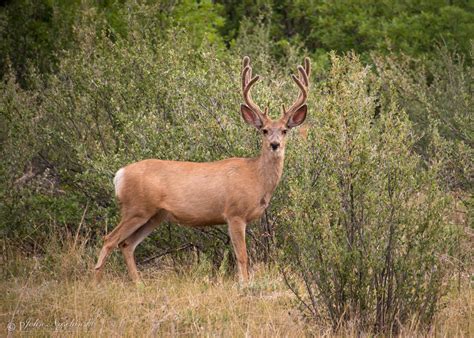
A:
[235,191]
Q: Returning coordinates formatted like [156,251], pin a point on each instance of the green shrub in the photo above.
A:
[437,95]
[116,101]
[364,222]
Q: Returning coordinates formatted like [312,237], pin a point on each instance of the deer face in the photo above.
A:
[274,135]
[274,131]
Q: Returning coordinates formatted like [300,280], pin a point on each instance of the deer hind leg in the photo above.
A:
[128,245]
[237,235]
[126,227]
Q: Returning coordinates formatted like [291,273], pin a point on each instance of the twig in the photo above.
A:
[167,252]
[80,226]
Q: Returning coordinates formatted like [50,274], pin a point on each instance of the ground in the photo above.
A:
[54,295]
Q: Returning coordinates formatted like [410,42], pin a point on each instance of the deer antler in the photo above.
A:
[303,83]
[247,82]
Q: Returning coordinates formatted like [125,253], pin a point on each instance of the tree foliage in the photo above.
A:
[412,27]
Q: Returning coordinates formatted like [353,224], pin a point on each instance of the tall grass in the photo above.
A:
[54,295]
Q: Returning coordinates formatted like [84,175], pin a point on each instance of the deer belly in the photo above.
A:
[194,220]
[196,211]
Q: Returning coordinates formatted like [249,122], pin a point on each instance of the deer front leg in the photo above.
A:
[237,236]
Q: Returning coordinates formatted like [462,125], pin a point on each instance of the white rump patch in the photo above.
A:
[118,181]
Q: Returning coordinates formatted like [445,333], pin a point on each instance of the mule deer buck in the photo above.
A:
[235,191]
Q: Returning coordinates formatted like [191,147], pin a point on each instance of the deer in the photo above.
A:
[233,191]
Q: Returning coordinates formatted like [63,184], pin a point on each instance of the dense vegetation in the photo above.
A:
[372,217]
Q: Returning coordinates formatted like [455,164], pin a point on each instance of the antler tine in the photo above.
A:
[302,81]
[245,77]
[249,71]
[303,88]
[247,87]
[307,66]
[247,82]
[246,61]
[304,75]
[245,70]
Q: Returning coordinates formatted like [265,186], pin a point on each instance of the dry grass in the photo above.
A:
[41,294]
[55,296]
[456,319]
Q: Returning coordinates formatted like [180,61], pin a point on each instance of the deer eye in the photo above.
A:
[265,131]
[284,131]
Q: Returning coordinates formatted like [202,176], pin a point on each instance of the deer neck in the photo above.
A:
[270,168]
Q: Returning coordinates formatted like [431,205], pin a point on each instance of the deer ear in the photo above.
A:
[250,116]
[298,117]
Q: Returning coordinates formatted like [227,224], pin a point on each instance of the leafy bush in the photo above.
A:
[365,228]
[438,98]
[111,103]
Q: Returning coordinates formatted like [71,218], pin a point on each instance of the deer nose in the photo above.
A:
[274,145]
